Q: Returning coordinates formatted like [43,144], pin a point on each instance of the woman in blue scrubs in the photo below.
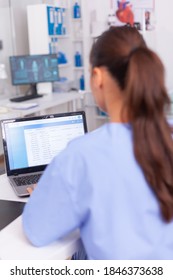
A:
[116,183]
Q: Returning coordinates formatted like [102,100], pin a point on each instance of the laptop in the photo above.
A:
[31,143]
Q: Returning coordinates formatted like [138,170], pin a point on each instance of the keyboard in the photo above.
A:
[27,180]
[25,97]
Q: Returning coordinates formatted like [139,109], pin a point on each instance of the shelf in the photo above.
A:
[78,68]
[77,19]
[59,36]
[77,40]
[64,65]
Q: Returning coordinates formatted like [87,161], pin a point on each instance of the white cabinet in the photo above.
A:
[53,29]
[48,32]
[77,38]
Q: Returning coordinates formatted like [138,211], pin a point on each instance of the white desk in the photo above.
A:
[48,104]
[44,103]
[15,246]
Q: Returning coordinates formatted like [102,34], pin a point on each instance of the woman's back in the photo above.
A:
[129,227]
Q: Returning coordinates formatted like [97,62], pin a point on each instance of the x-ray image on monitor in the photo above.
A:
[33,69]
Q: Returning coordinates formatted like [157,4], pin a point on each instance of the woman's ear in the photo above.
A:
[97,77]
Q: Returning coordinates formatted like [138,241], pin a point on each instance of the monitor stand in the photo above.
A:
[32,95]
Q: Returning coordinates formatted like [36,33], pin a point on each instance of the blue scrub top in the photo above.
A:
[96,185]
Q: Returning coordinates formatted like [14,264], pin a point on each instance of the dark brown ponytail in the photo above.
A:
[140,74]
[146,98]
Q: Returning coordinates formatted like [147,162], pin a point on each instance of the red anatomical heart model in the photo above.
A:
[124,12]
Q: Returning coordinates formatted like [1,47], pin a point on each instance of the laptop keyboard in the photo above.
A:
[27,180]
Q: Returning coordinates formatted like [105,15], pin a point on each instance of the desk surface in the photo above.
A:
[46,102]
[15,246]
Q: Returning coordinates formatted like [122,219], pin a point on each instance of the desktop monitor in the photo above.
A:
[33,69]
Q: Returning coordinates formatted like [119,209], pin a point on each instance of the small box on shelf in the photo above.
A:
[62,59]
[56,20]
[63,85]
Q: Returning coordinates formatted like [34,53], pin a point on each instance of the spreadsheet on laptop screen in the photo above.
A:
[36,142]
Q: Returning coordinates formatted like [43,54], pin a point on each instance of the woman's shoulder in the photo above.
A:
[101,136]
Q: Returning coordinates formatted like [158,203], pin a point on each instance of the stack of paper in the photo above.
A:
[21,105]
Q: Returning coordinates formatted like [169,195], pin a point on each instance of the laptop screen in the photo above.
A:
[31,143]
